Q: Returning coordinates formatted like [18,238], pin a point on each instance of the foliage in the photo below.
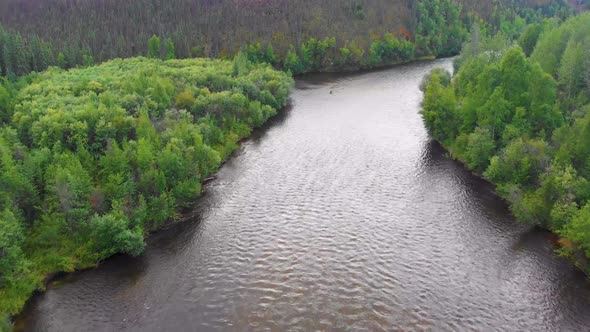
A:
[286,36]
[119,29]
[170,50]
[93,159]
[440,31]
[20,55]
[524,122]
[154,47]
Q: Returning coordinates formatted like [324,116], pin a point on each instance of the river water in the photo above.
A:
[340,215]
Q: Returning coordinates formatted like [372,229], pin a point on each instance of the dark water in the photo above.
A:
[341,215]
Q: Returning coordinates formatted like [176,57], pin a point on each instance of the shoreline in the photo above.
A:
[185,213]
[361,68]
[577,259]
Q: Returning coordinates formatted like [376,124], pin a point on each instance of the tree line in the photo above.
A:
[350,34]
[92,159]
[520,115]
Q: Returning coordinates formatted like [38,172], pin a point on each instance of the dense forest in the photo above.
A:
[92,159]
[301,36]
[520,116]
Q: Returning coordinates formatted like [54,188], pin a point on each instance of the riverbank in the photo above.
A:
[338,211]
[129,147]
[564,247]
[43,279]
[367,68]
[56,278]
[510,116]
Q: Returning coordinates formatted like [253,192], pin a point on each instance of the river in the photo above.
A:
[340,215]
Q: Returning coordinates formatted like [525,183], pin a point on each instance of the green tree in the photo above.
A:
[521,162]
[154,47]
[515,69]
[480,149]
[112,235]
[528,39]
[292,63]
[170,50]
[61,61]
[571,69]
[439,109]
[578,230]
[271,56]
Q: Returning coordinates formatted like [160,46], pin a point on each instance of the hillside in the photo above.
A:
[219,27]
[107,29]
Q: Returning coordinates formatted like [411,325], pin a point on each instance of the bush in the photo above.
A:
[184,100]
[111,235]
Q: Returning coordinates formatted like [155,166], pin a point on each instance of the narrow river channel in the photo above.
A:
[340,215]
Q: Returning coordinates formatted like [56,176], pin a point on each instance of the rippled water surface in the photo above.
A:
[341,215]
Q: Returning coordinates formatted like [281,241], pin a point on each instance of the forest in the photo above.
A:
[93,159]
[99,147]
[519,114]
[361,34]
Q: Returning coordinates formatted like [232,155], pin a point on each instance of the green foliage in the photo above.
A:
[440,30]
[112,234]
[184,100]
[241,64]
[390,49]
[440,107]
[578,230]
[170,50]
[312,55]
[5,99]
[319,55]
[480,148]
[93,159]
[444,78]
[521,162]
[20,55]
[292,63]
[5,325]
[154,47]
[61,61]
[553,43]
[528,39]
[571,69]
[424,29]
[524,123]
[197,52]
[12,260]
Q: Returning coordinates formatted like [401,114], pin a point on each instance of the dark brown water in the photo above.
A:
[341,215]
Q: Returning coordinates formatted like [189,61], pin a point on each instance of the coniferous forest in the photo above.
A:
[300,36]
[113,113]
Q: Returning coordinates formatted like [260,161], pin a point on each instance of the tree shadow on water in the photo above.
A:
[275,122]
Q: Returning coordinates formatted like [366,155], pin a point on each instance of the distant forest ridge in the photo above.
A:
[109,29]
